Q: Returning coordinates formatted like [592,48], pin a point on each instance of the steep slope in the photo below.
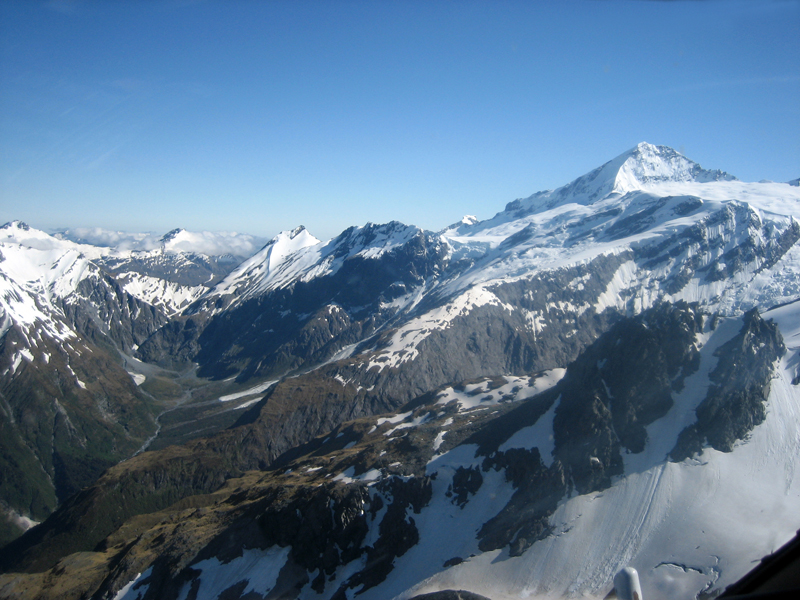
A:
[68,409]
[494,486]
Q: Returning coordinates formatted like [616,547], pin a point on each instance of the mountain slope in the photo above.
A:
[300,301]
[68,408]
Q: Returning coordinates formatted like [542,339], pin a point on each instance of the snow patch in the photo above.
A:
[348,476]
[539,435]
[260,568]
[135,589]
[260,388]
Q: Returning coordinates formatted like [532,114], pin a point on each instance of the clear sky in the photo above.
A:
[259,116]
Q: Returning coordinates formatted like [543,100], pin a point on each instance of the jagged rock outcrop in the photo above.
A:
[736,400]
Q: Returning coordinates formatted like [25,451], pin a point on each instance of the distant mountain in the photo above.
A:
[178,240]
[598,376]
[188,259]
[634,170]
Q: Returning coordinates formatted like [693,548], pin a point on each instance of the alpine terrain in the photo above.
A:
[599,376]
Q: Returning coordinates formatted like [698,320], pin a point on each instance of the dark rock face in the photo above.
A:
[325,528]
[185,268]
[466,482]
[398,531]
[309,321]
[523,521]
[620,384]
[735,402]
[104,313]
[175,343]
[271,342]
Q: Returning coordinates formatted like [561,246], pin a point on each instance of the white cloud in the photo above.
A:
[205,242]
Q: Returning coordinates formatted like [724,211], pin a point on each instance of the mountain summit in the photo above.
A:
[635,169]
[647,164]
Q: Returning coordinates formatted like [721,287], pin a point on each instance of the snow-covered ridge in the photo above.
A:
[646,198]
[55,265]
[279,262]
[298,256]
[633,170]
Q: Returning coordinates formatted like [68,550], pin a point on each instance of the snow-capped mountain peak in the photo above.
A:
[15,225]
[643,165]
[266,269]
[647,163]
[288,242]
[19,233]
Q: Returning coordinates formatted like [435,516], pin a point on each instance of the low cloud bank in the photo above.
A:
[179,240]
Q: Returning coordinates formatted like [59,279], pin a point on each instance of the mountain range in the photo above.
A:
[602,375]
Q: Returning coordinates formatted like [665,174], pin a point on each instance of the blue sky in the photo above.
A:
[259,116]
